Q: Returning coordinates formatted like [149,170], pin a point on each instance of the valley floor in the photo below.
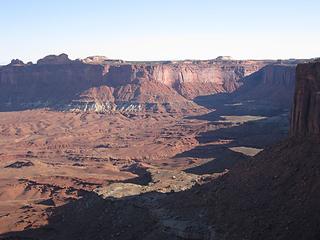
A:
[51,159]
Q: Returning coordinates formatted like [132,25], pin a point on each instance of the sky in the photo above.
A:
[159,29]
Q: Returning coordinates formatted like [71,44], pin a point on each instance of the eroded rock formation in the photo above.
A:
[100,84]
[189,79]
[16,62]
[55,59]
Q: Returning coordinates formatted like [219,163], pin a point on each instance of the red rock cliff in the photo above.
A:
[46,83]
[272,84]
[188,79]
[56,80]
[306,110]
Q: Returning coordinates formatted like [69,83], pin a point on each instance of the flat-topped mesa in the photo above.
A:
[98,81]
[41,85]
[189,79]
[55,59]
[306,109]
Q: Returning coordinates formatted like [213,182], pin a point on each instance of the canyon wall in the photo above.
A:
[282,182]
[189,79]
[273,84]
[306,110]
[99,83]
[36,84]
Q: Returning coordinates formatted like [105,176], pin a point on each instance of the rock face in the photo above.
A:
[272,84]
[192,80]
[266,92]
[136,87]
[278,189]
[189,79]
[274,195]
[306,111]
[40,85]
[100,84]
[95,99]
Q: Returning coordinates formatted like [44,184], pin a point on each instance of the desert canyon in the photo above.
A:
[98,148]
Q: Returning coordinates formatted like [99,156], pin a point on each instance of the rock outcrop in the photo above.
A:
[16,62]
[224,58]
[306,110]
[95,60]
[55,59]
[103,60]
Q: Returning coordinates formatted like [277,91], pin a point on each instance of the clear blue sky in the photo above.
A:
[159,29]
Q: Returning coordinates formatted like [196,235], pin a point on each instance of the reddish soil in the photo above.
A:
[50,158]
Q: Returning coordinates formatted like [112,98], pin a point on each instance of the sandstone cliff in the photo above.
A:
[273,84]
[306,111]
[99,83]
[188,79]
[72,85]
[136,86]
[37,85]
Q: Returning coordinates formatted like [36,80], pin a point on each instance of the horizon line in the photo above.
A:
[3,63]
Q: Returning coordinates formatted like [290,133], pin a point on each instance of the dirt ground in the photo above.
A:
[50,158]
